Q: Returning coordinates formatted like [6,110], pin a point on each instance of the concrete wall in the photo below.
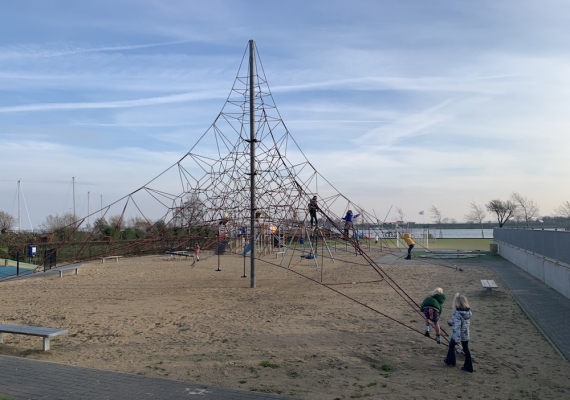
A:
[555,275]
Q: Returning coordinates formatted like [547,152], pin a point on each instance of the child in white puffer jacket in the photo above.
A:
[461,320]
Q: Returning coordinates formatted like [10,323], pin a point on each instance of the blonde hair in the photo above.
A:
[436,291]
[460,301]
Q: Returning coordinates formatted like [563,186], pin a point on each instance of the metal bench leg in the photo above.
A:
[76,271]
[1,338]
[60,274]
[46,343]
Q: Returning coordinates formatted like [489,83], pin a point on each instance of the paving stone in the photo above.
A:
[32,379]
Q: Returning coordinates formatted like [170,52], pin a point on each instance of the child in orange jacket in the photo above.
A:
[410,242]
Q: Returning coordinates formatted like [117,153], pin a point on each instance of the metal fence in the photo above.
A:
[551,244]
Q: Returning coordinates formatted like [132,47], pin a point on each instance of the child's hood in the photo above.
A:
[465,313]
[440,297]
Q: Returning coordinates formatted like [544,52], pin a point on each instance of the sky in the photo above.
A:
[419,104]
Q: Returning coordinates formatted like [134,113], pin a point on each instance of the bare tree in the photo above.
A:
[436,216]
[527,210]
[117,222]
[504,210]
[101,225]
[477,214]
[6,221]
[57,222]
[139,223]
[563,210]
[400,215]
[191,213]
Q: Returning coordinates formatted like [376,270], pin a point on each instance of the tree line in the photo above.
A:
[190,213]
[516,208]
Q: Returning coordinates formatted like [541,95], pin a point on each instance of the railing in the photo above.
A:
[551,244]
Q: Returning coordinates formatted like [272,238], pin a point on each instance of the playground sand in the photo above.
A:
[290,335]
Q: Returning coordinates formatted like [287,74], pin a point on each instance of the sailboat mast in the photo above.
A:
[88,199]
[73,184]
[252,156]
[19,219]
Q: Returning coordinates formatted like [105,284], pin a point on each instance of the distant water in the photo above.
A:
[438,233]
[460,233]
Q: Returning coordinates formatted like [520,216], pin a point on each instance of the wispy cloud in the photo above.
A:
[57,50]
[171,99]
[412,124]
[480,85]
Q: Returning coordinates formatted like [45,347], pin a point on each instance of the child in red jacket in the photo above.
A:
[197,252]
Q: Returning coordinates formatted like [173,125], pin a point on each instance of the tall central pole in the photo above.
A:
[252,156]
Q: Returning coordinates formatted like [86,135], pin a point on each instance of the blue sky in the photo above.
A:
[418,103]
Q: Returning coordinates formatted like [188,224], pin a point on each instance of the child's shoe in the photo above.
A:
[438,339]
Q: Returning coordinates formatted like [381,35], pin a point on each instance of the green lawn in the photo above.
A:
[433,244]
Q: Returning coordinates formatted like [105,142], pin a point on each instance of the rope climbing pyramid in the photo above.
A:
[212,185]
[243,188]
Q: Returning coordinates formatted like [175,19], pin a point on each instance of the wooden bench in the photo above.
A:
[46,333]
[110,257]
[70,268]
[489,285]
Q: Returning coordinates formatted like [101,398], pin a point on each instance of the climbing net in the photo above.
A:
[205,198]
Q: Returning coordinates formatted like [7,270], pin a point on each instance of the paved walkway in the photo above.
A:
[547,308]
[22,378]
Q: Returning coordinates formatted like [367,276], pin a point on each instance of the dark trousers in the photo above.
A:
[313,215]
[347,228]
[410,247]
[450,359]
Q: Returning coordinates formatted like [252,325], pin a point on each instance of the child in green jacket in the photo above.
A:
[431,307]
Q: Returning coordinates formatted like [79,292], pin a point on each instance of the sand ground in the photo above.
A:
[290,335]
